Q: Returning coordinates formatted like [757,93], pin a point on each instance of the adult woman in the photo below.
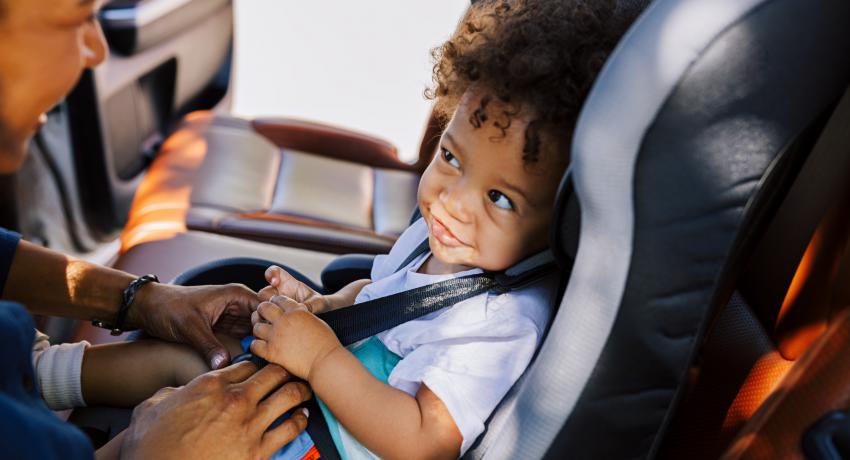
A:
[44,47]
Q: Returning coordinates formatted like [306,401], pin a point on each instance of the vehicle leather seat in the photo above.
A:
[282,181]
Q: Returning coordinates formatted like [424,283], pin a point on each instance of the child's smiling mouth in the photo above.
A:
[443,234]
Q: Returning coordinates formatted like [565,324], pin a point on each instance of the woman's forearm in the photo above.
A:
[386,420]
[50,283]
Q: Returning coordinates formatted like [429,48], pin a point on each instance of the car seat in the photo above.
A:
[684,150]
[778,341]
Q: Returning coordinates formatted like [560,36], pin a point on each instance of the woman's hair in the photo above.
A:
[537,58]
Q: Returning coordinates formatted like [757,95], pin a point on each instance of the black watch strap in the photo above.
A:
[127,298]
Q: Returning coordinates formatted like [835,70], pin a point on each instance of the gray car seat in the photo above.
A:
[685,146]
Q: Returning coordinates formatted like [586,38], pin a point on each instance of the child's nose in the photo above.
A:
[454,201]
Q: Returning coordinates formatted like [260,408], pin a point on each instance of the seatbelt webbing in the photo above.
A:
[421,249]
[378,315]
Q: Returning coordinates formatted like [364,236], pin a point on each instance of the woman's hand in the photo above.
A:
[189,314]
[289,335]
[221,414]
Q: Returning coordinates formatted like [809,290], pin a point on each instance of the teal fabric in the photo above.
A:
[380,362]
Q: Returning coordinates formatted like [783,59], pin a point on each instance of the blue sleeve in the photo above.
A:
[8,245]
[28,430]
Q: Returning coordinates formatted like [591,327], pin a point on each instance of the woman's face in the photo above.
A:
[44,47]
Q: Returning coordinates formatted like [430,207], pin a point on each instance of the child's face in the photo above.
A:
[483,205]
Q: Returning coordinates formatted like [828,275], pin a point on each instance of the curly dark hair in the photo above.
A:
[537,57]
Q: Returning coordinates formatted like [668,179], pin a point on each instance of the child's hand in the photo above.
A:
[289,335]
[284,284]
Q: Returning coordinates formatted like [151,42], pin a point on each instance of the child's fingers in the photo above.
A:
[273,275]
[269,311]
[255,318]
[287,304]
[267,293]
[262,330]
[260,348]
[289,286]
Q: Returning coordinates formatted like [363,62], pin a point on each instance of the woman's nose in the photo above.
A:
[95,49]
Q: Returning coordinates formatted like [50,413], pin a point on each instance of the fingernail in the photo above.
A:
[275,281]
[217,361]
[305,412]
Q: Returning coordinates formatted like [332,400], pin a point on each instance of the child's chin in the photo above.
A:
[452,256]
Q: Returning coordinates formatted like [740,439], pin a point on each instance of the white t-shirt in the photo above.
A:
[470,354]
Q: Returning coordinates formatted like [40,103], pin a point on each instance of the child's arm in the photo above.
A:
[126,373]
[282,283]
[112,449]
[386,420]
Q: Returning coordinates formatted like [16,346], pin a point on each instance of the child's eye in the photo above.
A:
[450,158]
[499,199]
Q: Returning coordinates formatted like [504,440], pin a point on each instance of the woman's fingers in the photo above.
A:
[284,433]
[282,400]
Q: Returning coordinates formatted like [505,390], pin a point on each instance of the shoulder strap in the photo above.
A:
[378,315]
[421,249]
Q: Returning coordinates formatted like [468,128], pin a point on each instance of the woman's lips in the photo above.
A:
[443,234]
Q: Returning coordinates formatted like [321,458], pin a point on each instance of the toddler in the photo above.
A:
[509,84]
[512,79]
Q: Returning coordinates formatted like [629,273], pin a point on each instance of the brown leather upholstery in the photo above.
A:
[281,181]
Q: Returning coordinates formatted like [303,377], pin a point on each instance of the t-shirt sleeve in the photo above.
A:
[8,245]
[473,372]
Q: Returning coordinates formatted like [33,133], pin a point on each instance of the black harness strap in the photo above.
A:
[421,249]
[378,315]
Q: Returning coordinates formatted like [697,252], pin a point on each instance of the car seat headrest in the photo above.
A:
[673,162]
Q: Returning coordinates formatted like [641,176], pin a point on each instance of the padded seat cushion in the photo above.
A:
[320,188]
